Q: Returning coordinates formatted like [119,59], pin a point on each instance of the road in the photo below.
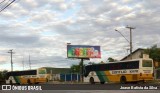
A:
[101,87]
[83,91]
[87,88]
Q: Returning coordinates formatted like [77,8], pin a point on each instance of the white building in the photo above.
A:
[138,53]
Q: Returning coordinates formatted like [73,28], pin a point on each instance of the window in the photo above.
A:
[42,71]
[147,63]
[112,66]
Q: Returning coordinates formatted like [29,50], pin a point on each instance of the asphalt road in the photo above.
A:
[85,91]
[101,87]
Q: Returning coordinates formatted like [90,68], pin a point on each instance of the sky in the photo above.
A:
[41,29]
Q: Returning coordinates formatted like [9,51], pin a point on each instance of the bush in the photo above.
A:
[2,76]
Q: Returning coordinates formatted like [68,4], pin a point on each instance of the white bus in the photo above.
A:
[138,70]
[27,76]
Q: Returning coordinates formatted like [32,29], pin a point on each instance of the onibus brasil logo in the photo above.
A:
[14,87]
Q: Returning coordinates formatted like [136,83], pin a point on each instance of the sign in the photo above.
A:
[21,87]
[82,51]
[131,71]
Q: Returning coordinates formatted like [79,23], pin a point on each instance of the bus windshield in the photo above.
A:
[42,71]
[147,63]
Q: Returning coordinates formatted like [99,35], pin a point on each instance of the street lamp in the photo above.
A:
[122,35]
[130,42]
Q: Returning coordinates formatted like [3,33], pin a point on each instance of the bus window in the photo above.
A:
[102,67]
[147,63]
[42,71]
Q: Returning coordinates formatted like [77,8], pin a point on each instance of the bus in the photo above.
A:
[27,76]
[138,70]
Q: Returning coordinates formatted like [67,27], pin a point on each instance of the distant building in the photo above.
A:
[138,53]
[61,74]
[52,70]
[55,72]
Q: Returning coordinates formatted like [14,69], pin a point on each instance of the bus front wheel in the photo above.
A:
[29,81]
[92,80]
[46,79]
[102,82]
[123,80]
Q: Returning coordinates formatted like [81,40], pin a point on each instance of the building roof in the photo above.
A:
[139,49]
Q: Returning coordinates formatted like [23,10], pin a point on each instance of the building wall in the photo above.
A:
[136,55]
[54,73]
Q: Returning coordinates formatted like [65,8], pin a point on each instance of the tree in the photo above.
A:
[153,53]
[3,75]
[110,59]
[77,68]
[101,62]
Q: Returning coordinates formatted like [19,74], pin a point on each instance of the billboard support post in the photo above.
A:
[82,69]
[83,52]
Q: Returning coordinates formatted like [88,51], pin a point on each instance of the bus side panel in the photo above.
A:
[105,76]
[33,80]
[116,77]
[102,76]
[129,77]
[41,80]
[17,79]
[12,79]
[146,77]
[23,80]
[111,78]
[147,74]
[92,74]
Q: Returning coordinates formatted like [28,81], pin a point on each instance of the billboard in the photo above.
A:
[83,51]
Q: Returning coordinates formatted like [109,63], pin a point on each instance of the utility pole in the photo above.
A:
[130,28]
[11,51]
[29,62]
[23,62]
[130,42]
[82,70]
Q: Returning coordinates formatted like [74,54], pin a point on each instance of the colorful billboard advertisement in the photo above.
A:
[83,51]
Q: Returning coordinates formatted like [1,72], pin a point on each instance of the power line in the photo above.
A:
[2,2]
[29,62]
[7,5]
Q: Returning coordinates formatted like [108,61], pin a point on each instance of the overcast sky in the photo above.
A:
[42,28]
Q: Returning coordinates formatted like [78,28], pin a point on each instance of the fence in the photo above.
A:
[70,77]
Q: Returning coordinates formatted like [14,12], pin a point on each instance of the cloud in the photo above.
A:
[43,27]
